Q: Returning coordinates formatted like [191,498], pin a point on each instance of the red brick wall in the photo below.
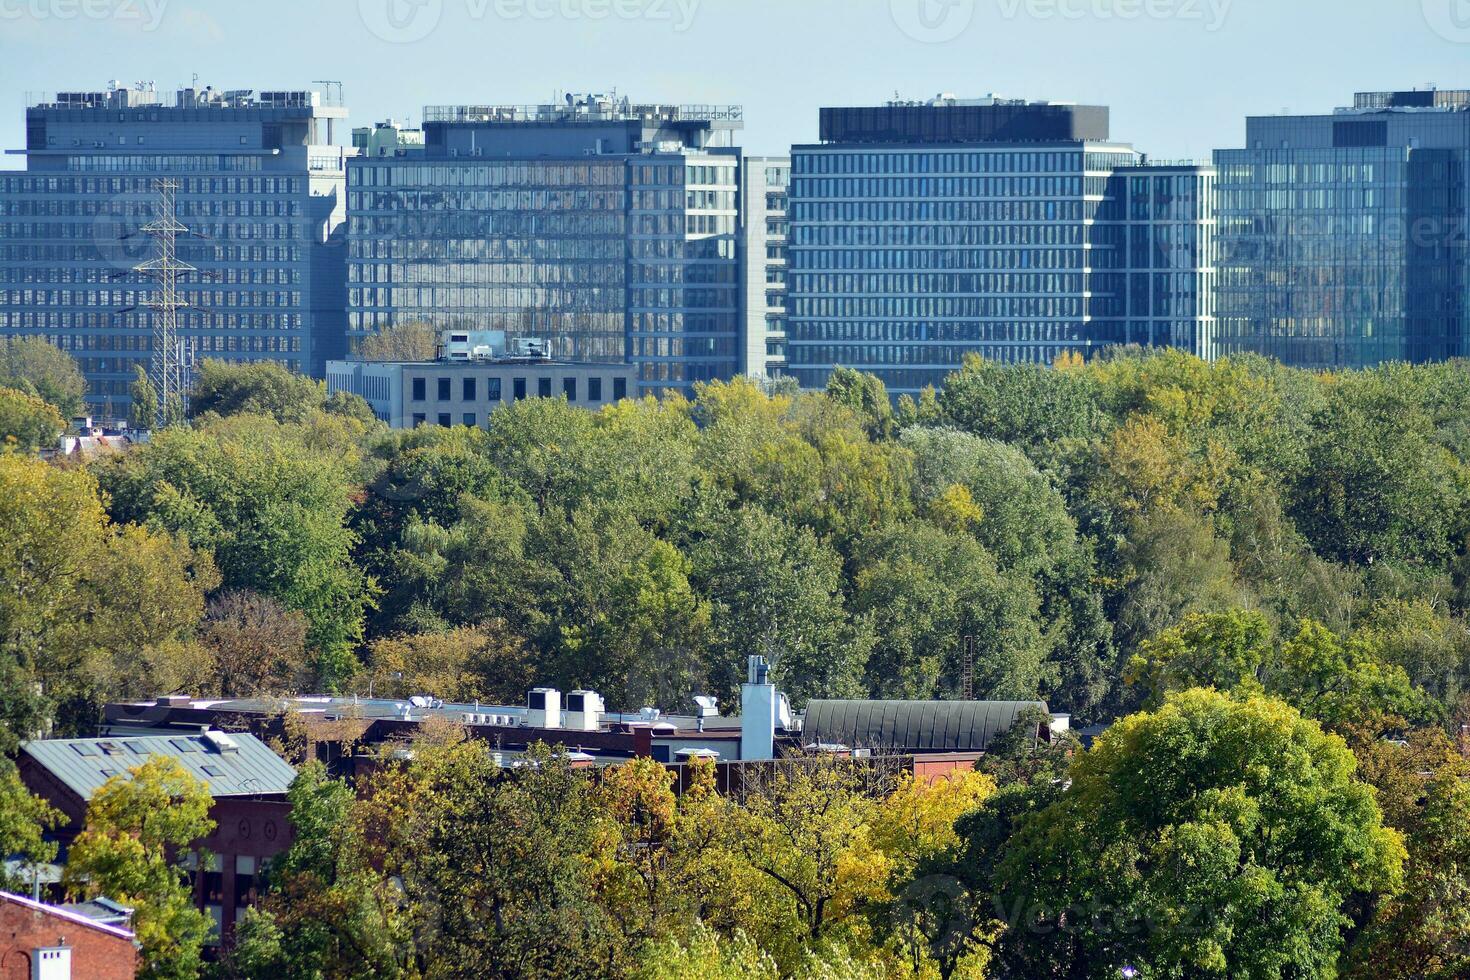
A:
[95,955]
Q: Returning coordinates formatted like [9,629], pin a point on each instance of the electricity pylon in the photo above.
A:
[171,363]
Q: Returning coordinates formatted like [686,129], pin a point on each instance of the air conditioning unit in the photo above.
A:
[584,711]
[543,708]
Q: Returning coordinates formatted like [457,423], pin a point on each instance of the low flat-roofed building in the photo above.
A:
[408,394]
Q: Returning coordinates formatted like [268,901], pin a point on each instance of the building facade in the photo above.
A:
[605,229]
[765,198]
[925,233]
[261,190]
[408,394]
[1342,236]
[47,942]
[245,778]
[1168,228]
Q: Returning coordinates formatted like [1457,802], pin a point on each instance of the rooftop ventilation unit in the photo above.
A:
[543,708]
[221,742]
[584,711]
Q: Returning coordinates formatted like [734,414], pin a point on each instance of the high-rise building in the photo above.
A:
[1168,225]
[260,188]
[606,230]
[1342,235]
[922,233]
[765,193]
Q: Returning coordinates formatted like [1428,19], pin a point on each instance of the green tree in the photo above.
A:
[130,850]
[1031,406]
[1171,564]
[415,340]
[1214,837]
[28,422]
[254,388]
[24,822]
[143,401]
[271,506]
[776,591]
[864,394]
[925,590]
[1377,486]
[89,610]
[496,868]
[1423,932]
[39,368]
[324,913]
[1221,650]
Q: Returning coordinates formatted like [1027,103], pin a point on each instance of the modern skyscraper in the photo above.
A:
[765,199]
[1342,235]
[261,189]
[1169,228]
[925,232]
[608,230]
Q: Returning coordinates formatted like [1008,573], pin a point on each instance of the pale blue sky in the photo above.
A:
[1180,75]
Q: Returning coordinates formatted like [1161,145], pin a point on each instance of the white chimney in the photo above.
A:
[543,708]
[757,712]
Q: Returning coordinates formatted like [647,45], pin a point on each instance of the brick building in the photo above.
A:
[247,780]
[44,942]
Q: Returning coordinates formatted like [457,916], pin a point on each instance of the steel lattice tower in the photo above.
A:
[169,368]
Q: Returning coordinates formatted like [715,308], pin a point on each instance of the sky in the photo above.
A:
[1179,75]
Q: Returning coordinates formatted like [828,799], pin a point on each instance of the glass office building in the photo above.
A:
[924,233]
[764,215]
[1168,230]
[261,188]
[1342,236]
[606,230]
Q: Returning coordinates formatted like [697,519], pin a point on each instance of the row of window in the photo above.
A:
[469,389]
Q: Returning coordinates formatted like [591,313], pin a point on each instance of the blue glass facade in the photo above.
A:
[1342,236]
[604,233]
[905,260]
[261,188]
[907,256]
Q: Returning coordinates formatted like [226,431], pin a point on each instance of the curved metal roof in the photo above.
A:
[913,726]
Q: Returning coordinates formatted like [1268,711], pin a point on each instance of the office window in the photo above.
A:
[543,387]
[418,419]
[594,389]
[444,420]
[492,389]
[569,388]
[444,391]
[620,389]
[469,389]
[469,419]
[420,389]
[519,389]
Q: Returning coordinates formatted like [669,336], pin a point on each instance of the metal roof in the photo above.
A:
[913,726]
[230,765]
